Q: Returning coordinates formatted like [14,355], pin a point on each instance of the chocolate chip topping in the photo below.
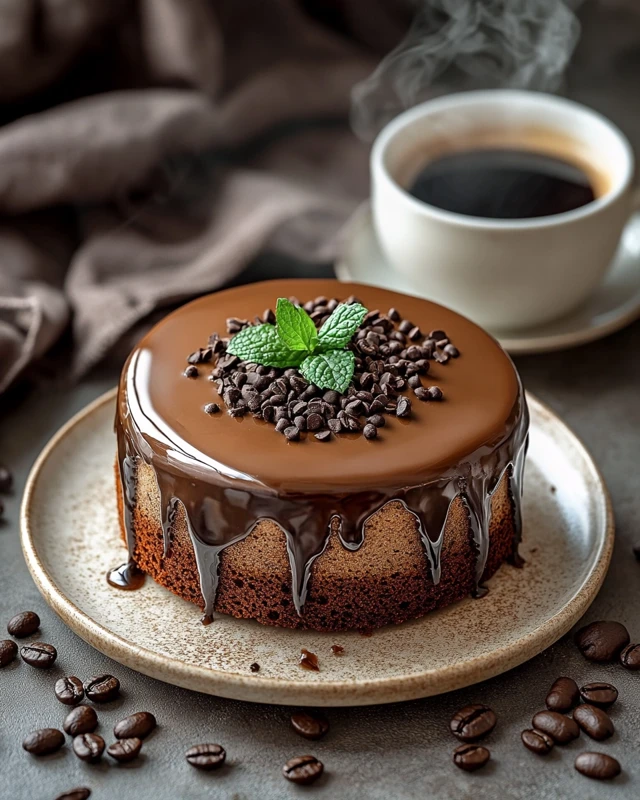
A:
[391,355]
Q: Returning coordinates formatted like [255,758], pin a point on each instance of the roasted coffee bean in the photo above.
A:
[206,756]
[8,652]
[472,722]
[43,741]
[451,350]
[102,688]
[435,393]
[137,725]
[311,726]
[630,657]
[394,314]
[323,436]
[602,641]
[422,394]
[39,655]
[88,747]
[378,420]
[82,719]
[563,695]
[80,793]
[125,749]
[292,433]
[595,722]
[598,694]
[560,728]
[24,624]
[255,667]
[69,690]
[470,757]
[538,742]
[599,766]
[191,371]
[6,479]
[212,408]
[303,770]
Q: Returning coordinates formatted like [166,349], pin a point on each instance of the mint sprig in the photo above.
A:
[295,342]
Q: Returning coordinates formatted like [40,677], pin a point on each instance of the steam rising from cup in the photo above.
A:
[456,45]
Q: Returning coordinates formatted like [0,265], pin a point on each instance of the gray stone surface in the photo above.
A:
[381,753]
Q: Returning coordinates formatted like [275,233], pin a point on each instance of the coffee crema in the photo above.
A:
[503,183]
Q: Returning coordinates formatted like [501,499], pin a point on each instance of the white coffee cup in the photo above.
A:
[511,273]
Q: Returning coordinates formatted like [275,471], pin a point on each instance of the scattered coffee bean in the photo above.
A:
[309,660]
[6,480]
[102,688]
[560,728]
[255,667]
[82,719]
[323,436]
[206,756]
[303,770]
[337,649]
[435,393]
[311,726]
[630,657]
[595,722]
[212,408]
[191,371]
[602,641]
[563,695]
[470,757]
[598,694]
[403,409]
[79,793]
[24,624]
[538,742]
[125,750]
[292,433]
[599,766]
[138,725]
[43,741]
[88,747]
[39,655]
[472,722]
[69,690]
[8,652]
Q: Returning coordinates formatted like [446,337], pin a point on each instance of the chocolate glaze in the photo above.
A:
[228,473]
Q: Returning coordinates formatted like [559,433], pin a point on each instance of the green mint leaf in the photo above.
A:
[332,370]
[337,331]
[295,327]
[261,344]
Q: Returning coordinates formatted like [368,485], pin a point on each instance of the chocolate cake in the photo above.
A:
[250,490]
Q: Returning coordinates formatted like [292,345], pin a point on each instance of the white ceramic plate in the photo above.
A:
[70,539]
[616,302]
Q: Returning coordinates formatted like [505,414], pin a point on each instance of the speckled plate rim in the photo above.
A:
[334,693]
[531,342]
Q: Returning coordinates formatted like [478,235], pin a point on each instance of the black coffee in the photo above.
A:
[502,184]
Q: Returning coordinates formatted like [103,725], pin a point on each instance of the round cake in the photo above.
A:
[315,454]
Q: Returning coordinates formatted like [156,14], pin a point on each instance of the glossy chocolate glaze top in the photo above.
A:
[230,472]
[481,389]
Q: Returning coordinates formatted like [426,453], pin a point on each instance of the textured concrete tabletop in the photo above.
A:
[388,752]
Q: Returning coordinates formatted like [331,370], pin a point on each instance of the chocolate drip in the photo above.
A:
[219,516]
[127,576]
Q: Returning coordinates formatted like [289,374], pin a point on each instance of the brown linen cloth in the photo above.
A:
[150,148]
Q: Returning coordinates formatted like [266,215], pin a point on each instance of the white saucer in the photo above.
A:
[71,537]
[615,304]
